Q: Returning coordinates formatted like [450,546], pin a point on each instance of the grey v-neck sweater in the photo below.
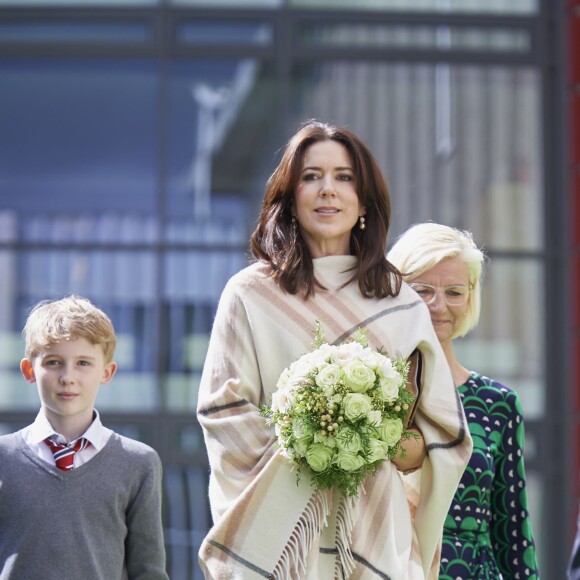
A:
[100,521]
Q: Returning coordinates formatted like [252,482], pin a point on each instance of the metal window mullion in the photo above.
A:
[556,448]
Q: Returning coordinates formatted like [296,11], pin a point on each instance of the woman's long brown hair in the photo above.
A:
[278,243]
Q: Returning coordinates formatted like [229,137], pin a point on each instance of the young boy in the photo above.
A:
[77,501]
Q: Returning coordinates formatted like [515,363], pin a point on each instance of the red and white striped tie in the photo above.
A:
[64,455]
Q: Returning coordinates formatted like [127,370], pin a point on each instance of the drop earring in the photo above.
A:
[361,223]
[294,224]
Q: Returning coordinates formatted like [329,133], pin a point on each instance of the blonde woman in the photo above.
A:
[487,533]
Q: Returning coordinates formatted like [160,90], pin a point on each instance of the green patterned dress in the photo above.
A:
[488,533]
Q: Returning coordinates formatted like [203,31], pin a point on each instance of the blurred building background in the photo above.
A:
[135,140]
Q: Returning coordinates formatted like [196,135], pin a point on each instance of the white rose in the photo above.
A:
[301,446]
[346,352]
[335,399]
[374,418]
[372,358]
[389,381]
[378,450]
[357,376]
[301,428]
[319,457]
[348,461]
[356,406]
[328,376]
[282,400]
[324,438]
[300,369]
[285,453]
[278,431]
[386,367]
[283,380]
[349,440]
[299,378]
[313,360]
[325,351]
[390,431]
[389,390]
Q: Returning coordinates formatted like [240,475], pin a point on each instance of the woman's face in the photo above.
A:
[450,278]
[326,204]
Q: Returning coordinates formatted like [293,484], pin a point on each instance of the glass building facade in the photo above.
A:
[135,141]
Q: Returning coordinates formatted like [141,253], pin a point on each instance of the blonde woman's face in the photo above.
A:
[450,278]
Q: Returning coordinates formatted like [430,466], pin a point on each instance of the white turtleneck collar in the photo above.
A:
[334,271]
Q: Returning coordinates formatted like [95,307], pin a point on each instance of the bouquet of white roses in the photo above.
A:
[339,412]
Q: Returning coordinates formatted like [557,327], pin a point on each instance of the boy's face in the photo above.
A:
[68,375]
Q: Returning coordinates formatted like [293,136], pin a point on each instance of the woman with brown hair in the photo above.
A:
[320,256]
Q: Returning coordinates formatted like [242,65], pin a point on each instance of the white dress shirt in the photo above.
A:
[35,434]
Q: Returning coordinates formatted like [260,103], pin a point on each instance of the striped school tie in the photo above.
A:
[64,455]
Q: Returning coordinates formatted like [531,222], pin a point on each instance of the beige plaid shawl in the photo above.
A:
[266,525]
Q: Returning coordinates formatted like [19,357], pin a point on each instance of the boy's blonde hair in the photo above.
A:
[424,245]
[69,318]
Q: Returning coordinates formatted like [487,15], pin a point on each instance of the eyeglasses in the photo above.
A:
[455,295]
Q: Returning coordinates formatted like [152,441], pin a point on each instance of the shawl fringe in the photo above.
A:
[345,520]
[307,530]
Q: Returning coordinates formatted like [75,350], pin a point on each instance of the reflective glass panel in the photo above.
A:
[74,32]
[508,343]
[7,427]
[440,38]
[220,146]
[108,227]
[15,393]
[73,3]
[122,283]
[229,3]
[193,282]
[457,144]
[141,431]
[187,519]
[222,122]
[226,32]
[476,6]
[80,136]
